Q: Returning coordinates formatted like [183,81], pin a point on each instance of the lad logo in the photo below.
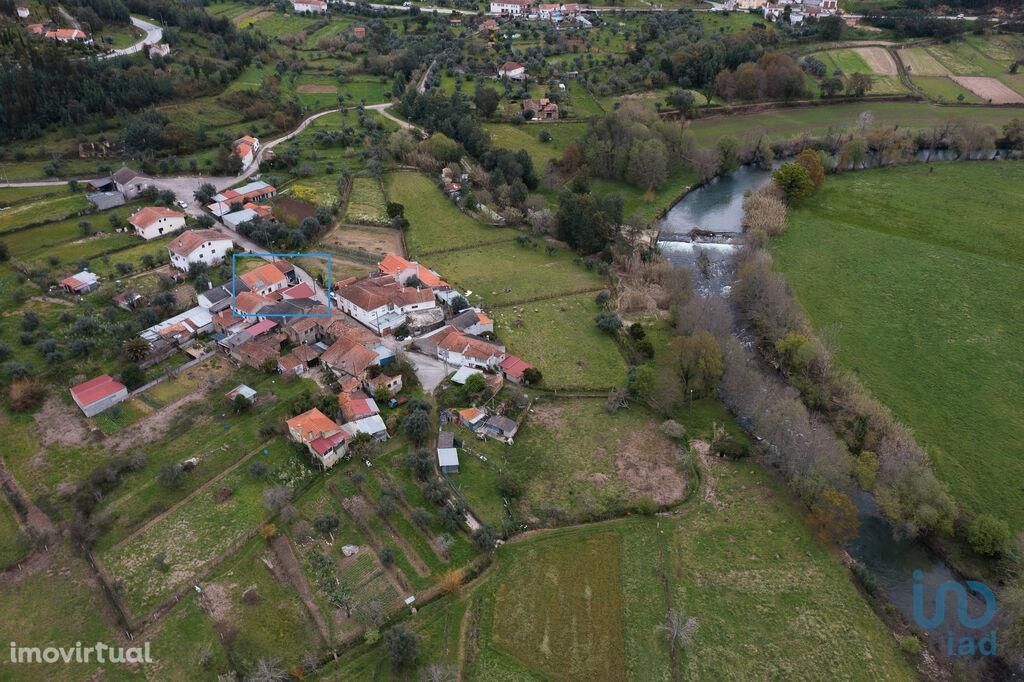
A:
[985,643]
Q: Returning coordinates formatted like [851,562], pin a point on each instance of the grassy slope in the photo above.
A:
[783,123]
[767,605]
[922,288]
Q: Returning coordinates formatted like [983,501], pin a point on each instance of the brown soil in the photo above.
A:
[647,465]
[375,241]
[60,424]
[291,209]
[990,89]
[216,602]
[879,59]
[313,89]
[708,466]
[549,416]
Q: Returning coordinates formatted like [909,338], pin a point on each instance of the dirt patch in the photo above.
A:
[290,209]
[647,467]
[990,89]
[314,89]
[377,242]
[879,59]
[547,415]
[708,464]
[59,424]
[216,602]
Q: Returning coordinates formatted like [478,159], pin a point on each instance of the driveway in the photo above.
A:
[429,370]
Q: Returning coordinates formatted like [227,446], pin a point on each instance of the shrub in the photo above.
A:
[988,535]
[910,645]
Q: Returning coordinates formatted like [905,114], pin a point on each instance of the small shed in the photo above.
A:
[447,455]
[242,390]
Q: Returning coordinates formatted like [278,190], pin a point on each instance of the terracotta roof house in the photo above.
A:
[68,35]
[249,304]
[347,358]
[359,32]
[324,438]
[471,416]
[512,8]
[381,303]
[403,270]
[265,280]
[198,246]
[459,349]
[392,384]
[156,221]
[303,290]
[255,352]
[80,283]
[302,330]
[307,353]
[488,26]
[289,364]
[96,395]
[543,109]
[246,148]
[514,367]
[353,408]
[512,70]
[254,191]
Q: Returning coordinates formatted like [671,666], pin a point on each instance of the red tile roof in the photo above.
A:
[348,356]
[151,214]
[300,290]
[260,328]
[323,445]
[514,366]
[376,292]
[96,389]
[311,425]
[263,276]
[187,242]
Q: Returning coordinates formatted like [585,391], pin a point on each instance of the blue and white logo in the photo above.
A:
[983,644]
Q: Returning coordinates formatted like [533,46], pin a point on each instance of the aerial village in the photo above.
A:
[275,317]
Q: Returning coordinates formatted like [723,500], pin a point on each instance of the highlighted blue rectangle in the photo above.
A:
[270,258]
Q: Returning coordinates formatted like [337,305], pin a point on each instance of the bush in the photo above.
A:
[865,578]
[910,645]
[987,535]
[25,394]
[731,448]
[608,322]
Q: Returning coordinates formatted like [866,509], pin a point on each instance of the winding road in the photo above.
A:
[154,34]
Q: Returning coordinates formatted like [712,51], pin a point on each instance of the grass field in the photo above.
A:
[43,209]
[921,287]
[945,90]
[195,533]
[846,60]
[587,603]
[526,137]
[784,123]
[13,545]
[436,223]
[366,203]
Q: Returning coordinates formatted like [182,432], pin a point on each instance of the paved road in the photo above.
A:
[154,34]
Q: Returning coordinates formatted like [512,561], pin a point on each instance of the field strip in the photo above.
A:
[990,89]
[879,59]
[187,498]
[466,247]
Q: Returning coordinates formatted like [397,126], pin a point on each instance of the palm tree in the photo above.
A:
[136,348]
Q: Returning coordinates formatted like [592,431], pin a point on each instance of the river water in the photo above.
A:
[718,208]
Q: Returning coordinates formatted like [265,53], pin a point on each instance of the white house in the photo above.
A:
[246,148]
[311,6]
[198,246]
[23,12]
[382,303]
[512,70]
[511,8]
[462,350]
[129,182]
[156,221]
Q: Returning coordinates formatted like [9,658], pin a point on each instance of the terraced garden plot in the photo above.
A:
[43,209]
[990,89]
[366,203]
[192,535]
[920,62]
[945,89]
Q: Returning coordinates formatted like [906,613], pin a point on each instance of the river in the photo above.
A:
[717,208]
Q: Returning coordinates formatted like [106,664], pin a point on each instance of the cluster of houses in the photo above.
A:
[268,317]
[530,9]
[51,32]
[798,10]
